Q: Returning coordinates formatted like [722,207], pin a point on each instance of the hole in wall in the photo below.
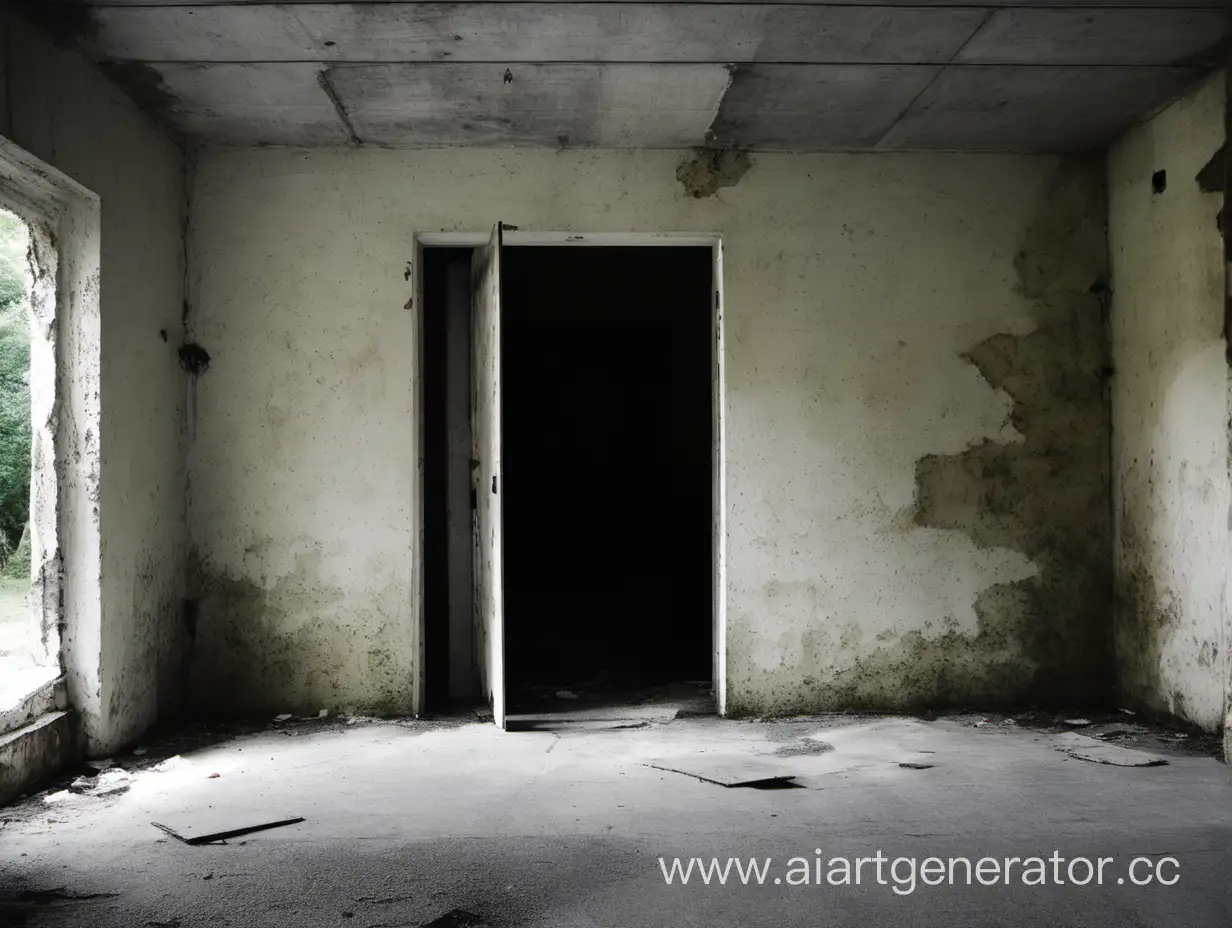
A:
[1159,181]
[193,358]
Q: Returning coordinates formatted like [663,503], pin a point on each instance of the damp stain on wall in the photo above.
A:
[1045,639]
[1048,495]
[289,644]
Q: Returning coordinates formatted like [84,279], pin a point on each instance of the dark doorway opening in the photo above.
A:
[607,441]
[606,493]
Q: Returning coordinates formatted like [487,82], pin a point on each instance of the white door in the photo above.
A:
[489,639]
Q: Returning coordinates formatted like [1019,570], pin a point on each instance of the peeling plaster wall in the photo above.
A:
[916,424]
[1170,426]
[124,664]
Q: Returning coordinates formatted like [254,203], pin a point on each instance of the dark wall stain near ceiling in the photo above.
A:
[144,86]
[68,23]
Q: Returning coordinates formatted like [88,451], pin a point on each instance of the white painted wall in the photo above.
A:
[854,284]
[1170,414]
[124,662]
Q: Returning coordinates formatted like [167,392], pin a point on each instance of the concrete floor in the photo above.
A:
[408,821]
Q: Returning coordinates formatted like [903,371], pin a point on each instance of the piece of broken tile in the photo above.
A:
[1098,752]
[723,769]
[209,825]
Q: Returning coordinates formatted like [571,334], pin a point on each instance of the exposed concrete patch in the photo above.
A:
[711,169]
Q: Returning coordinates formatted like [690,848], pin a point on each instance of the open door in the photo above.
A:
[489,637]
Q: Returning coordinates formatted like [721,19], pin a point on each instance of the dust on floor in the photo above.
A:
[457,823]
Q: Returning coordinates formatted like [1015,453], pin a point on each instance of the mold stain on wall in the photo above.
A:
[287,644]
[1047,495]
[1045,639]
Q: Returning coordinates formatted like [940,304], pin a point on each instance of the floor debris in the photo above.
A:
[209,830]
[1076,723]
[724,769]
[589,820]
[1098,752]
[882,746]
[909,765]
[109,782]
[805,747]
[1118,730]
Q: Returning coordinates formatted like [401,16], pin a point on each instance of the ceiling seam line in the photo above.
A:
[343,117]
[936,77]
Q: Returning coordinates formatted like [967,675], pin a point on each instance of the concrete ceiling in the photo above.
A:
[1028,75]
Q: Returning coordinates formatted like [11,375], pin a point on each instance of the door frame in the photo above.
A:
[515,238]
